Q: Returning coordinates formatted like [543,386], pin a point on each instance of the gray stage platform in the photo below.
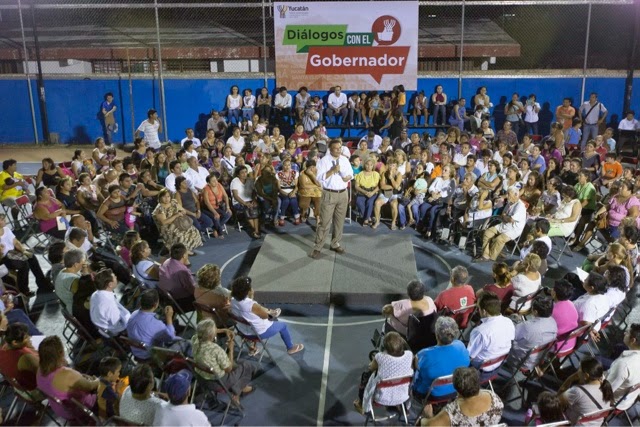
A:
[374,270]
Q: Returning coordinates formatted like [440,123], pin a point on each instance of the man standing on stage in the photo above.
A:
[334,174]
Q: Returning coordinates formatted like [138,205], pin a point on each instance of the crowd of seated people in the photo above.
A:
[500,188]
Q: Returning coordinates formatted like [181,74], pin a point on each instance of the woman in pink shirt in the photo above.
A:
[398,312]
[564,312]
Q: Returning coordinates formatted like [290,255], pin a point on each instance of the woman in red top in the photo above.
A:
[216,200]
[300,137]
[502,286]
[18,359]
[439,103]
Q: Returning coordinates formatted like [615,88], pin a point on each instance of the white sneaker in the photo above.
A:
[115,128]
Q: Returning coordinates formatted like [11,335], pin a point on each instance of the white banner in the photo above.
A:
[356,45]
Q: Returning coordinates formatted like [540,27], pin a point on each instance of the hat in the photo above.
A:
[177,385]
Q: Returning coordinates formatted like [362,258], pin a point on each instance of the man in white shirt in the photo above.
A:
[190,137]
[514,218]
[540,233]
[176,171]
[624,373]
[106,312]
[236,142]
[629,122]
[493,336]
[337,105]
[196,174]
[334,173]
[373,141]
[178,411]
[151,128]
[282,106]
[592,113]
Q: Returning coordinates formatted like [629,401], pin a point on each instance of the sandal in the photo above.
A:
[374,226]
[255,235]
[357,405]
[255,351]
[366,223]
[393,227]
[295,349]
[251,390]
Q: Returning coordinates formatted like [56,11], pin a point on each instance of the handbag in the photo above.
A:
[253,212]
[603,222]
[16,255]
[183,223]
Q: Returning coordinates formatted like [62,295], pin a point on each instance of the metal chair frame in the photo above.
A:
[492,375]
[386,383]
[182,315]
[246,338]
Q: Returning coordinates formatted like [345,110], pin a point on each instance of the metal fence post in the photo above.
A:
[27,75]
[162,102]
[586,55]
[461,52]
[264,43]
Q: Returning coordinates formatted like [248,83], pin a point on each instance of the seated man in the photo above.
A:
[143,325]
[624,373]
[440,360]
[458,295]
[18,358]
[513,218]
[178,411]
[74,262]
[176,278]
[531,333]
[106,312]
[492,337]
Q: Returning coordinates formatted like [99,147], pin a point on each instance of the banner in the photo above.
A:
[356,45]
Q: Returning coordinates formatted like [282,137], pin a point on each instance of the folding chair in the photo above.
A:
[28,399]
[564,244]
[387,383]
[488,377]
[28,223]
[249,338]
[439,382]
[169,361]
[538,352]
[617,411]
[219,388]
[81,414]
[523,301]
[202,308]
[600,414]
[85,338]
[458,316]
[182,315]
[556,424]
[128,343]
[561,355]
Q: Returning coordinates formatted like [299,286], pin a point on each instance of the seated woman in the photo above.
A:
[243,306]
[216,203]
[47,210]
[398,312]
[78,163]
[440,360]
[87,194]
[616,254]
[480,208]
[49,174]
[160,170]
[440,192]
[18,358]
[138,402]
[234,374]
[491,179]
[146,270]
[472,407]
[586,391]
[527,280]
[244,199]
[267,190]
[618,281]
[594,304]
[548,410]
[15,256]
[113,210]
[65,194]
[173,224]
[531,191]
[565,219]
[502,285]
[190,203]
[287,192]
[395,361]
[391,190]
[212,294]
[55,379]
[367,188]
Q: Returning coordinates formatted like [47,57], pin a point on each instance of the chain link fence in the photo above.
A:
[131,46]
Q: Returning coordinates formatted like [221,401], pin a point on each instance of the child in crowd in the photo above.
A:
[418,191]
[110,388]
[574,134]
[356,164]
[130,238]
[608,138]
[262,126]
[248,104]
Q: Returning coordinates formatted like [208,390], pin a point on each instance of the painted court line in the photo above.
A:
[325,369]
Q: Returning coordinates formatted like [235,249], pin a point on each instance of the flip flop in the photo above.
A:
[296,348]
[255,352]
[253,388]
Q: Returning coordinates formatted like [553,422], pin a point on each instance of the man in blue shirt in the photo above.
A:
[145,327]
[107,117]
[537,161]
[441,360]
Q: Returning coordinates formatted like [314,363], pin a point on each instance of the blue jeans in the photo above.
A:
[202,223]
[440,110]
[268,210]
[279,328]
[219,222]
[247,113]
[285,203]
[429,214]
[365,205]
[402,214]
[455,122]
[16,315]
[588,132]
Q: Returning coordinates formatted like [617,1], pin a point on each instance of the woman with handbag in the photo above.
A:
[216,202]
[173,223]
[113,210]
[440,191]
[17,257]
[244,197]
